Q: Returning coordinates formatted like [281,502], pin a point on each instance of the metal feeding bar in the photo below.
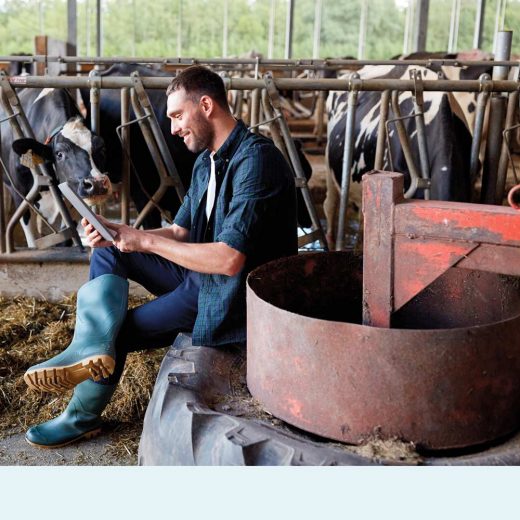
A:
[289,149]
[307,63]
[41,177]
[168,173]
[408,244]
[322,84]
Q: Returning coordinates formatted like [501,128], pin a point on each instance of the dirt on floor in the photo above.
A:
[32,331]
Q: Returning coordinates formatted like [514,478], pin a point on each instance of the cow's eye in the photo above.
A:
[59,155]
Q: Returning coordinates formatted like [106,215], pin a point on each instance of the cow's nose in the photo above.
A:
[88,187]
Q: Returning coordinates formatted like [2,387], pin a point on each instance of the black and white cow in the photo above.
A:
[63,140]
[147,179]
[448,140]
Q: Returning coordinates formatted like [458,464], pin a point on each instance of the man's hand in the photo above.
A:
[127,239]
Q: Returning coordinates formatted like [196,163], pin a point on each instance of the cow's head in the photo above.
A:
[78,156]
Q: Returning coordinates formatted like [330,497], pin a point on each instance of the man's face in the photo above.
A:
[189,121]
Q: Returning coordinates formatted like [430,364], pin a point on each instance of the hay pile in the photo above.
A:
[32,331]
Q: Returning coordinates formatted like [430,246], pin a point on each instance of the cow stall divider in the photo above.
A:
[482,86]
[41,178]
[168,173]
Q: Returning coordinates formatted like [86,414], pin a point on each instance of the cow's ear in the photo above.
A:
[22,146]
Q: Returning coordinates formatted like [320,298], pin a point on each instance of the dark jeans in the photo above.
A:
[156,323]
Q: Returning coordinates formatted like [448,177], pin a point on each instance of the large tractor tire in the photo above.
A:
[201,414]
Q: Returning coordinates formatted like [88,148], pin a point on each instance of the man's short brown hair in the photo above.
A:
[200,81]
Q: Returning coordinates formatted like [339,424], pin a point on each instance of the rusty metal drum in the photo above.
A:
[446,375]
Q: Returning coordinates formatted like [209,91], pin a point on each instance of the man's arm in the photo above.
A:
[174,231]
[170,243]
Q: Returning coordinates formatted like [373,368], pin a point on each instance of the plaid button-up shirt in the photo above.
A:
[254,213]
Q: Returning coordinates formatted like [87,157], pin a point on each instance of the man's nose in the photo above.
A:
[174,128]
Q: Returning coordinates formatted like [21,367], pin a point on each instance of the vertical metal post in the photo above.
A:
[454,26]
[317,29]
[512,109]
[255,110]
[497,112]
[72,28]
[2,208]
[381,130]
[94,101]
[499,23]
[125,162]
[479,24]
[179,30]
[289,29]
[408,27]
[320,116]
[272,20]
[99,35]
[363,23]
[348,153]
[225,30]
[421,25]
[480,113]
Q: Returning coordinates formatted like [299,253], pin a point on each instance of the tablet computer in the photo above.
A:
[86,212]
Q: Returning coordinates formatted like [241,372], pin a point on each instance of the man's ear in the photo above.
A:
[39,150]
[207,105]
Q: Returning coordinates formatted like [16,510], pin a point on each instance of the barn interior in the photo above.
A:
[391,339]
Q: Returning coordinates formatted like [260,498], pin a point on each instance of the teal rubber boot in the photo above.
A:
[80,420]
[101,308]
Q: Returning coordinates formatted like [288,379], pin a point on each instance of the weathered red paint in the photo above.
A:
[419,240]
[457,384]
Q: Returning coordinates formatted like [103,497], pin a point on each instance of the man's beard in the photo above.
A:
[202,139]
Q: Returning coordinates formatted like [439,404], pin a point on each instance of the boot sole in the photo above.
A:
[61,379]
[88,435]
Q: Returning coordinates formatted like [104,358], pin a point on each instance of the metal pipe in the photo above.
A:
[499,24]
[405,145]
[421,25]
[374,85]
[454,26]
[125,162]
[294,159]
[497,114]
[289,28]
[21,128]
[2,194]
[420,126]
[318,10]
[95,111]
[320,117]
[348,153]
[482,102]
[273,126]
[512,108]
[72,27]
[383,117]
[171,168]
[99,36]
[304,63]
[479,23]
[255,110]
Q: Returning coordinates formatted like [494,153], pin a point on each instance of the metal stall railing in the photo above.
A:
[41,178]
[385,86]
